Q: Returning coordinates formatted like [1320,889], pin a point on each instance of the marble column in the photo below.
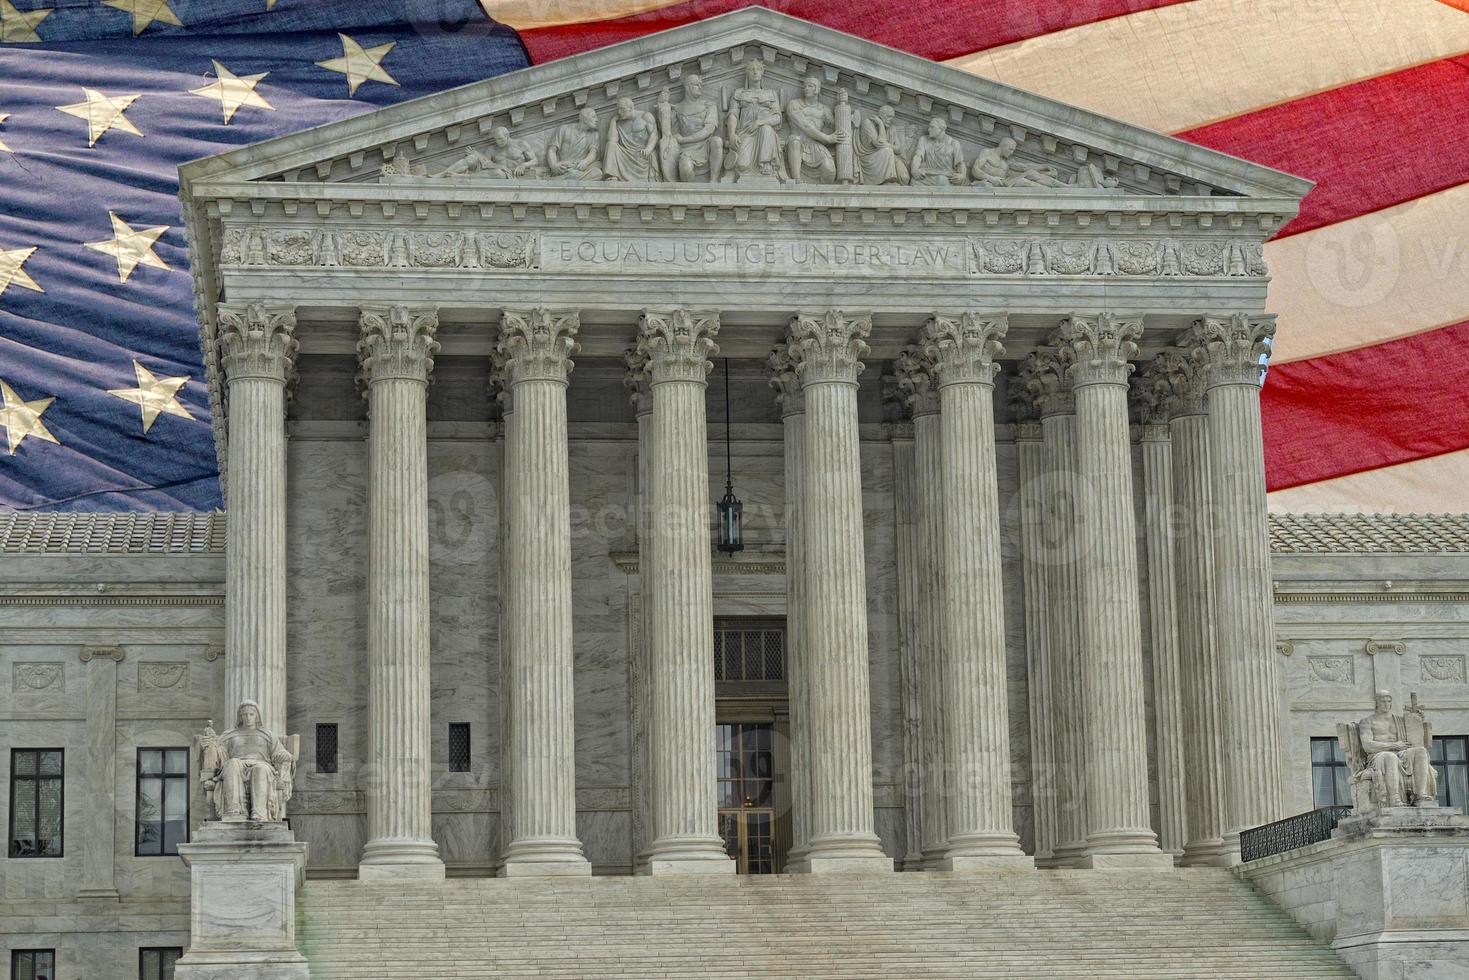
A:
[1233,350]
[1056,550]
[842,839]
[1119,831]
[918,387]
[787,384]
[1149,396]
[99,809]
[1030,454]
[395,353]
[535,347]
[905,547]
[1193,546]
[640,679]
[258,354]
[506,405]
[678,345]
[962,349]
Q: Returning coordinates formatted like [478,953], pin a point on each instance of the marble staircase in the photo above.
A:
[1202,923]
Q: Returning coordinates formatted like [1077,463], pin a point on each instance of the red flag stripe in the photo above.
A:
[1368,145]
[936,29]
[1363,409]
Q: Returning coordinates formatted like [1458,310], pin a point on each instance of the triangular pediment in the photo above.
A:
[881,104]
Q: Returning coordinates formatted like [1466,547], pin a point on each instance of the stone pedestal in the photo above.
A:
[1389,891]
[243,879]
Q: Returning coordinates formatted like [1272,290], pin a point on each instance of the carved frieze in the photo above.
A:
[1117,257]
[382,248]
[33,678]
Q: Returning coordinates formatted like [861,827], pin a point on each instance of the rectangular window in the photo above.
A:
[33,964]
[1329,774]
[326,748]
[156,963]
[459,746]
[1450,757]
[36,801]
[162,801]
[747,650]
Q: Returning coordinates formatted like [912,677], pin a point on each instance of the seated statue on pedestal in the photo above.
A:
[1388,756]
[247,772]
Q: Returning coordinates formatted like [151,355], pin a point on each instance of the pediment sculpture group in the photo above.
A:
[752,135]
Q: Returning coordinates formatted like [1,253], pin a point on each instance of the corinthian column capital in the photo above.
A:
[1149,396]
[783,367]
[832,345]
[637,378]
[1233,348]
[963,347]
[1024,407]
[1101,345]
[1186,382]
[537,345]
[1045,374]
[258,341]
[396,343]
[678,344]
[917,385]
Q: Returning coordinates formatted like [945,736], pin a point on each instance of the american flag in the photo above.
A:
[1366,405]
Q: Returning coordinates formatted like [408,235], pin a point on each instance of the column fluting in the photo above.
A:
[1057,552]
[636,379]
[1119,833]
[678,345]
[535,348]
[962,349]
[1233,350]
[784,378]
[905,551]
[395,352]
[258,354]
[1149,395]
[842,838]
[1030,454]
[918,387]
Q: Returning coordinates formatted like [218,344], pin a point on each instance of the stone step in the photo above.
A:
[1098,926]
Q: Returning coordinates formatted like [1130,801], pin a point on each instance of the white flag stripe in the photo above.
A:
[1423,486]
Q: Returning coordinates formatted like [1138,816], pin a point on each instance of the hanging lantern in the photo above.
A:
[731,511]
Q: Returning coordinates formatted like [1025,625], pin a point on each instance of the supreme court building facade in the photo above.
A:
[1006,595]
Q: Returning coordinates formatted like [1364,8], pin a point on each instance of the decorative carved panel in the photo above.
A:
[166,676]
[1442,668]
[1332,670]
[33,678]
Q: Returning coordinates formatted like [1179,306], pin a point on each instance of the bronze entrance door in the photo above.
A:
[746,767]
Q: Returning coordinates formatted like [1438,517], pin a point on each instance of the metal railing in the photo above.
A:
[1303,829]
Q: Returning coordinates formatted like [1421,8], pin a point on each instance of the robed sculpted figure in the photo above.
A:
[753,126]
[1388,753]
[939,159]
[813,133]
[246,772]
[879,149]
[574,153]
[691,147]
[632,138]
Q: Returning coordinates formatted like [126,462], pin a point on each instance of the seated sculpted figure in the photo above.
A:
[1388,755]
[575,151]
[247,772]
[879,151]
[753,128]
[939,159]
[692,148]
[632,139]
[813,134]
[506,158]
[993,168]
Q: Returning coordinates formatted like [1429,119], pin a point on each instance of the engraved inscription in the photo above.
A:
[814,256]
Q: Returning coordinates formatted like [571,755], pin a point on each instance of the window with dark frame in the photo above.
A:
[162,802]
[326,748]
[156,962]
[747,650]
[1330,775]
[459,746]
[37,802]
[33,964]
[1450,757]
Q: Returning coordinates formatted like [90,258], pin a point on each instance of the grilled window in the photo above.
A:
[162,801]
[156,962]
[326,748]
[33,964]
[459,746]
[749,651]
[1329,774]
[36,802]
